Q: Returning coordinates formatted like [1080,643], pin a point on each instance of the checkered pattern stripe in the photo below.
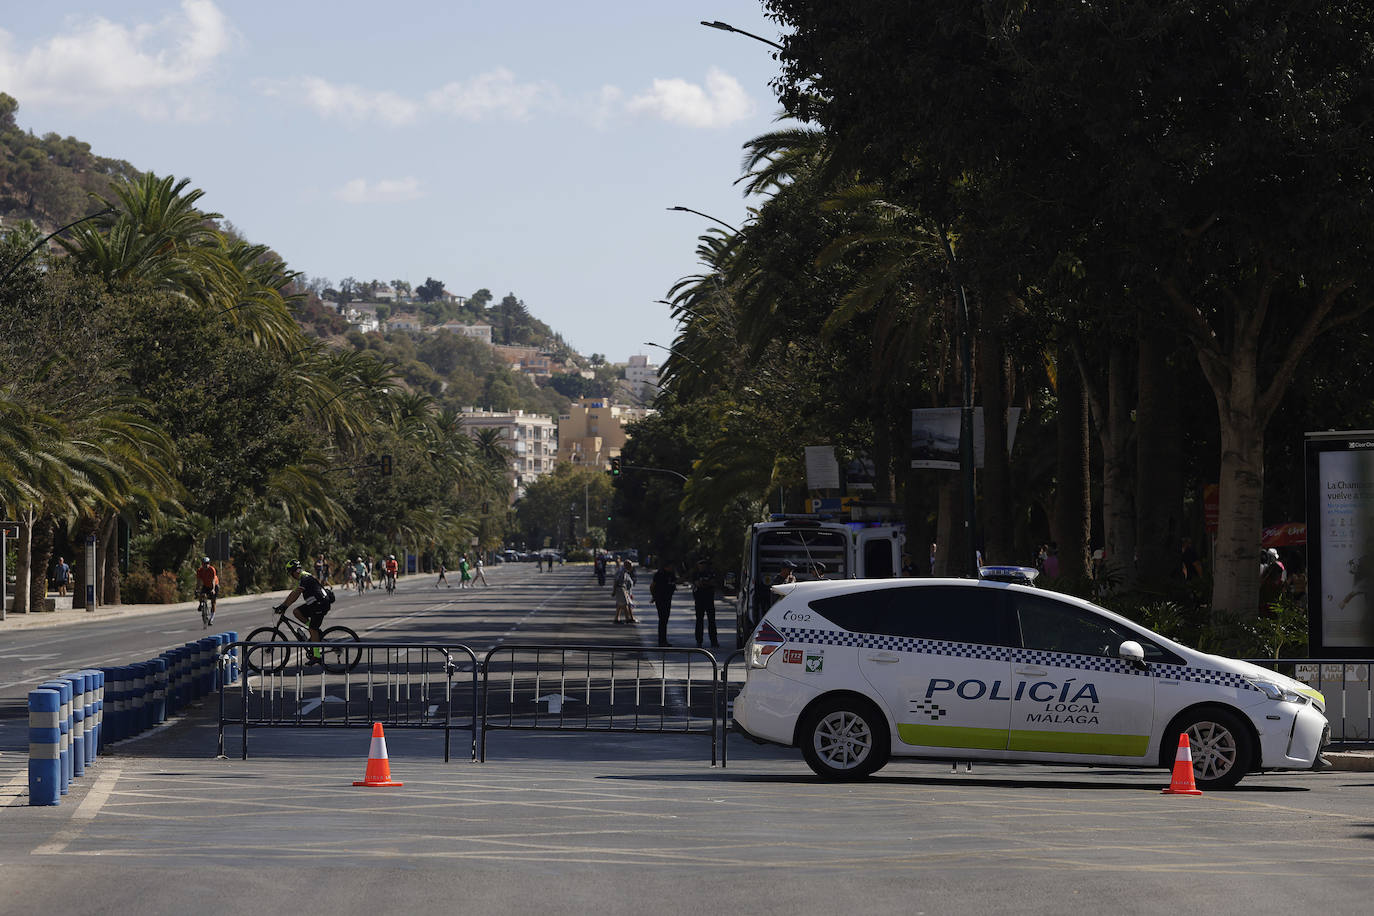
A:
[1077,662]
[929,708]
[1203,676]
[1019,656]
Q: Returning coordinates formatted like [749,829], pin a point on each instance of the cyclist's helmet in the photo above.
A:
[293,566]
[205,559]
[391,556]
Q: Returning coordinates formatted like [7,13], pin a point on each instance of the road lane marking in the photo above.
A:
[13,790]
[85,813]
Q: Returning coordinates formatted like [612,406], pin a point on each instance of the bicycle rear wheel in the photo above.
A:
[341,651]
[204,612]
[261,655]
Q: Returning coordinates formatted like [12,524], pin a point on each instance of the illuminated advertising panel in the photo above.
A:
[1340,543]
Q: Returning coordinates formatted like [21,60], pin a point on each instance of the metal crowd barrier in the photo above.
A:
[1346,684]
[401,685]
[728,692]
[76,716]
[625,689]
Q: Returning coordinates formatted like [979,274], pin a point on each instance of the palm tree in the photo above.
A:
[155,234]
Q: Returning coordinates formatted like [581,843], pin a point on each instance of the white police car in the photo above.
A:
[855,672]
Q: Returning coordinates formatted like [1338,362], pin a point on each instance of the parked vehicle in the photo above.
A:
[855,673]
[814,548]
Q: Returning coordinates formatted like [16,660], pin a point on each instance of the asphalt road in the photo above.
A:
[611,824]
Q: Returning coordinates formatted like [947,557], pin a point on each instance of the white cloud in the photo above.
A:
[722,102]
[355,103]
[385,191]
[499,94]
[152,68]
[495,93]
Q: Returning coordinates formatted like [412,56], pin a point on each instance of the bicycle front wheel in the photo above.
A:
[341,651]
[262,655]
[204,612]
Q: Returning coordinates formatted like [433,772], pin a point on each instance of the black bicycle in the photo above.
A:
[337,651]
[206,617]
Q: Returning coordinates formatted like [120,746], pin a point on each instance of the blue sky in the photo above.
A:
[527,147]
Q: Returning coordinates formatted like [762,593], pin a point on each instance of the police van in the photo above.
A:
[811,547]
[857,672]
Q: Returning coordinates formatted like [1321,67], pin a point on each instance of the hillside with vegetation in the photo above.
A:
[267,424]
[49,179]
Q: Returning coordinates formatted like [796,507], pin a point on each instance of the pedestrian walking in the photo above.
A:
[704,599]
[477,571]
[464,572]
[62,576]
[443,576]
[623,591]
[661,589]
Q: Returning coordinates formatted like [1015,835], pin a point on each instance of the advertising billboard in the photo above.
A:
[1340,543]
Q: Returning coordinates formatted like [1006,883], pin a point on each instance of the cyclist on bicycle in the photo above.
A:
[316,603]
[359,569]
[391,570]
[208,578]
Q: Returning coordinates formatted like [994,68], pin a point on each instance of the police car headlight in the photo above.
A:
[1278,692]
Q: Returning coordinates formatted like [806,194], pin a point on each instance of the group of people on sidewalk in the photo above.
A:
[661,588]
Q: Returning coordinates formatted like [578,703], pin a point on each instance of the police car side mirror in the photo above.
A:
[1131,651]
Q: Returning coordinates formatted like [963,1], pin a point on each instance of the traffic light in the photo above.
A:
[386,465]
[615,467]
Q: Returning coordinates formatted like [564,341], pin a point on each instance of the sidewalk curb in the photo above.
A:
[69,616]
[1351,761]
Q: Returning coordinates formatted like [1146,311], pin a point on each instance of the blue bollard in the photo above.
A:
[159,667]
[171,693]
[64,689]
[45,747]
[149,695]
[98,678]
[114,694]
[173,701]
[78,744]
[136,699]
[208,646]
[192,672]
[88,694]
[234,658]
[215,666]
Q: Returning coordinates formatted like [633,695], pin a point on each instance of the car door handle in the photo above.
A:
[1033,672]
[885,658]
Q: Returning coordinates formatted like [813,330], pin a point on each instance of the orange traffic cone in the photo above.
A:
[378,767]
[1182,783]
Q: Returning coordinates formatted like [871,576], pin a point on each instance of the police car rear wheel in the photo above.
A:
[844,739]
[1221,747]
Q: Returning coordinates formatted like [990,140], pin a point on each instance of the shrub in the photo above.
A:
[140,586]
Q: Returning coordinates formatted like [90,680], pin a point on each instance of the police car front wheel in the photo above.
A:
[844,738]
[1221,747]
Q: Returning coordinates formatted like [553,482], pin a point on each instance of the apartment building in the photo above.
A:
[592,432]
[531,439]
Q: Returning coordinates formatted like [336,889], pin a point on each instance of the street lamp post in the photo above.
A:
[681,356]
[966,457]
[705,216]
[44,240]
[727,27]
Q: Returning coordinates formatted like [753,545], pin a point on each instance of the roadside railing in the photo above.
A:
[401,685]
[613,689]
[729,689]
[1346,684]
